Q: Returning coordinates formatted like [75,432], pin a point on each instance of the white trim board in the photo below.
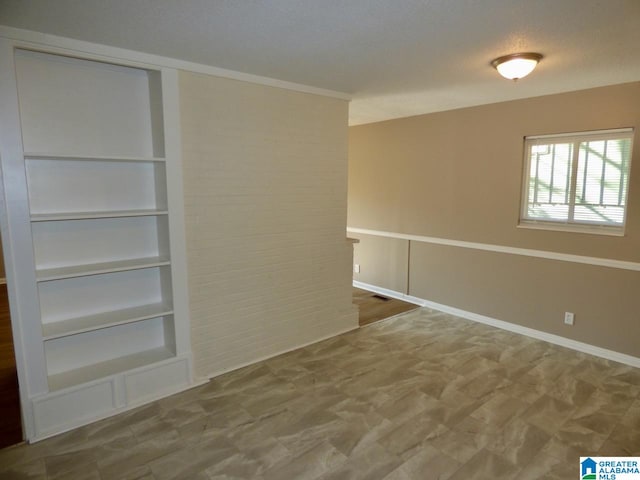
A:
[511,327]
[527,252]
[37,40]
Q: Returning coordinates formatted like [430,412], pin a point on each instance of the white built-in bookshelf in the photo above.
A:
[112,318]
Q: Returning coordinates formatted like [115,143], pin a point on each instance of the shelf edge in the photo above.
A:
[103,271]
[77,331]
[63,380]
[57,217]
[91,158]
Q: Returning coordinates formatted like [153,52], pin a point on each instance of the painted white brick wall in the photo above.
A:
[265,182]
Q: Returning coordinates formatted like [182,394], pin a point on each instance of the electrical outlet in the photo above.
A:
[356,268]
[568,318]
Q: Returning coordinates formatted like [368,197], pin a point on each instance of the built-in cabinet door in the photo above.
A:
[10,421]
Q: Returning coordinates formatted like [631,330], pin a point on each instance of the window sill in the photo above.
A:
[563,227]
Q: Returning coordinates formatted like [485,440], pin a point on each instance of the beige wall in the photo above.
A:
[533,292]
[265,178]
[458,175]
[390,268]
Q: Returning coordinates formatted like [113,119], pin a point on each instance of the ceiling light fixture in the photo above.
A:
[516,65]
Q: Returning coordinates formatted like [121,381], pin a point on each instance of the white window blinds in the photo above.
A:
[577,179]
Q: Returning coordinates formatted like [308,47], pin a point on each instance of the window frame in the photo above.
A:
[571,225]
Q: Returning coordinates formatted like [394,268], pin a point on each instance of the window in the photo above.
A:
[577,181]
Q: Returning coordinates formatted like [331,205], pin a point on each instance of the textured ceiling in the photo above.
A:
[394,57]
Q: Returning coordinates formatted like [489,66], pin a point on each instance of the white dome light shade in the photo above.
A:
[517,65]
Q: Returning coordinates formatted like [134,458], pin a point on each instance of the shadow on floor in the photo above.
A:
[375,307]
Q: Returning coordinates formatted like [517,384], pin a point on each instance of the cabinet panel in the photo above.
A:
[148,383]
[73,408]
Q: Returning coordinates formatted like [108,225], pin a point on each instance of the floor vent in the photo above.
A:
[380,297]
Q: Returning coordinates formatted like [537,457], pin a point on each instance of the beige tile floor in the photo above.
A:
[422,395]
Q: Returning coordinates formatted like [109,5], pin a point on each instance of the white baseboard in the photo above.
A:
[388,293]
[217,373]
[511,327]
